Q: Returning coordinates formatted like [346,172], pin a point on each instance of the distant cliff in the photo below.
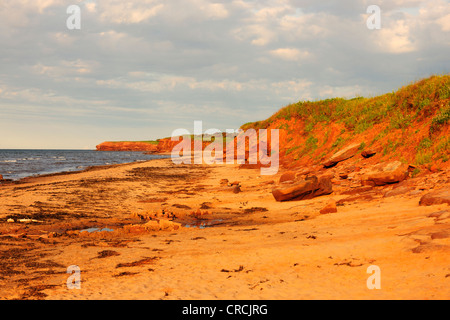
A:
[151,146]
[159,146]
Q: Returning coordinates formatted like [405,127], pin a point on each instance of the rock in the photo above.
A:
[385,173]
[312,186]
[288,176]
[168,225]
[435,197]
[343,175]
[1,177]
[223,182]
[329,208]
[10,220]
[368,153]
[397,191]
[357,190]
[236,189]
[342,155]
[235,183]
[440,235]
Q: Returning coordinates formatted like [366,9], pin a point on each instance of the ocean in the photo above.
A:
[17,164]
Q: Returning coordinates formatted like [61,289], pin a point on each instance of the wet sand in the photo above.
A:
[229,246]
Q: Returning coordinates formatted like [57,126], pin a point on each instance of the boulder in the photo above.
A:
[435,197]
[397,191]
[342,155]
[385,173]
[329,208]
[288,176]
[311,187]
[368,153]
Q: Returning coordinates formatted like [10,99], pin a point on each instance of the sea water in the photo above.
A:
[17,164]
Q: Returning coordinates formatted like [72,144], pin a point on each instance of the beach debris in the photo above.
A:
[10,220]
[199,213]
[152,225]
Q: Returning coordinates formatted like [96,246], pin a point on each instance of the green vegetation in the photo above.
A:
[413,102]
[146,141]
[396,116]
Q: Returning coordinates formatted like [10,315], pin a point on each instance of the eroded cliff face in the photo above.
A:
[164,145]
[127,146]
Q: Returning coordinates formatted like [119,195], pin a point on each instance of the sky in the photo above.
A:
[138,70]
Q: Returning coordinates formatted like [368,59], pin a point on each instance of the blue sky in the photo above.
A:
[137,70]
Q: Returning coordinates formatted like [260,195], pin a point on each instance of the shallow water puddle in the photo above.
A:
[90,230]
[203,224]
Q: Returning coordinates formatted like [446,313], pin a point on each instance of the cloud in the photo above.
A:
[290,54]
[149,66]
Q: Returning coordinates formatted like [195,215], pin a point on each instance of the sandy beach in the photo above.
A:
[215,243]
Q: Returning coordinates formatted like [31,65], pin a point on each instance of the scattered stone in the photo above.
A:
[368,153]
[236,188]
[342,155]
[329,208]
[311,187]
[397,191]
[10,220]
[343,175]
[224,182]
[440,235]
[435,197]
[357,190]
[385,173]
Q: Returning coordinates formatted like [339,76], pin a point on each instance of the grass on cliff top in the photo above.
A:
[426,101]
[414,102]
[146,141]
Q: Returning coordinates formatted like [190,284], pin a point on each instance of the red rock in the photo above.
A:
[287,176]
[435,197]
[357,190]
[342,155]
[329,208]
[1,177]
[311,187]
[368,153]
[397,191]
[364,197]
[385,173]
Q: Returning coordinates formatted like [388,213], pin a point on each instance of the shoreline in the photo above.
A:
[242,246]
[86,169]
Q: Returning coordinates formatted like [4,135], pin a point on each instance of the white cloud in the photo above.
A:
[128,12]
[290,54]
[396,38]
